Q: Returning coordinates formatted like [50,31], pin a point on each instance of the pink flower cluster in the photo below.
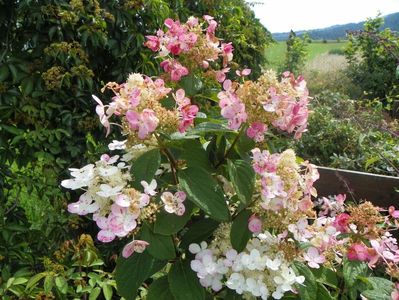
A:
[231,107]
[292,111]
[199,46]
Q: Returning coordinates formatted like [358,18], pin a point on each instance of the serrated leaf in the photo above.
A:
[133,271]
[242,176]
[161,246]
[353,269]
[240,234]
[167,223]
[145,166]
[198,232]
[184,283]
[308,290]
[323,293]
[159,290]
[204,192]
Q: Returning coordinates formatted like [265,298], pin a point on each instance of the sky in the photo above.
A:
[284,15]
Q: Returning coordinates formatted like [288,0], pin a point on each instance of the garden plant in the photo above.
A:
[204,207]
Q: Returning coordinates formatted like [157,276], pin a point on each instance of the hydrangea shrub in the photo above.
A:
[202,201]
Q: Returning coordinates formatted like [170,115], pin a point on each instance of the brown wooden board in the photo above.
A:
[378,189]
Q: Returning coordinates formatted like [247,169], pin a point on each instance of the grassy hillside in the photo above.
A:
[275,54]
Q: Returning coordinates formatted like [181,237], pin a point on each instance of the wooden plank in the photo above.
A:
[378,189]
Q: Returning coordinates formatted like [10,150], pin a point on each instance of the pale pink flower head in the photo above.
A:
[263,161]
[393,213]
[256,131]
[149,189]
[134,246]
[181,99]
[134,97]
[85,205]
[187,116]
[100,110]
[221,74]
[227,53]
[244,72]
[145,123]
[314,258]
[255,224]
[192,21]
[121,220]
[340,198]
[105,235]
[152,42]
[174,203]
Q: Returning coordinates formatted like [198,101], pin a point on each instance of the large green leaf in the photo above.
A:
[239,234]
[168,224]
[184,283]
[132,272]
[191,84]
[353,269]
[161,246]
[198,232]
[194,154]
[159,290]
[309,289]
[209,127]
[145,166]
[202,189]
[242,177]
[382,288]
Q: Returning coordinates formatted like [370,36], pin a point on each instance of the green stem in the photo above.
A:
[168,154]
[231,147]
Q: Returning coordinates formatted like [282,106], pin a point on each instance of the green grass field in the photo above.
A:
[275,54]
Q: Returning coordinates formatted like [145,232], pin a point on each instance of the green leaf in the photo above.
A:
[242,177]
[4,72]
[353,269]
[397,72]
[209,127]
[240,234]
[202,189]
[375,295]
[323,293]
[382,288]
[27,86]
[133,271]
[107,291]
[94,293]
[159,290]
[191,84]
[309,289]
[35,279]
[326,276]
[198,232]
[161,246]
[61,284]
[168,224]
[184,283]
[194,154]
[48,283]
[145,166]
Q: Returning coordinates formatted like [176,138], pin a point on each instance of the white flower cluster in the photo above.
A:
[258,271]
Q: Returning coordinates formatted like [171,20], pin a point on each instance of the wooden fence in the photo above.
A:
[378,189]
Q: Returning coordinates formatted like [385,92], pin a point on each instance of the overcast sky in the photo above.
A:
[284,15]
